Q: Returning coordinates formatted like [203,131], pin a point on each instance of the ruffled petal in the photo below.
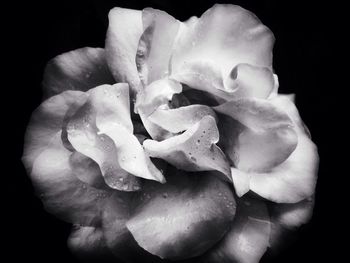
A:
[80,69]
[248,238]
[62,193]
[123,35]
[102,130]
[193,150]
[46,121]
[265,136]
[156,44]
[180,119]
[153,96]
[294,179]
[251,81]
[88,244]
[227,35]
[183,218]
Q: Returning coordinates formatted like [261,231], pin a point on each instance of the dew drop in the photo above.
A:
[220,194]
[165,195]
[193,159]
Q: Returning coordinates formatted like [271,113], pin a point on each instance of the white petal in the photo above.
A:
[123,35]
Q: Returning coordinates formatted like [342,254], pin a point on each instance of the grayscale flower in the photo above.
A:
[172,142]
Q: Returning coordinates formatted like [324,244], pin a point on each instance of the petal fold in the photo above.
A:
[193,150]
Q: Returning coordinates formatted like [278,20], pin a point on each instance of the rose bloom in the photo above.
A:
[172,142]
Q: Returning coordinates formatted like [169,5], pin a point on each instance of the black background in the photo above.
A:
[302,54]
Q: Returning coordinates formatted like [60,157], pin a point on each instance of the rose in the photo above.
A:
[174,177]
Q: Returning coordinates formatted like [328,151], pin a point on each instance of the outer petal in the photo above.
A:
[156,44]
[294,179]
[227,35]
[118,238]
[80,69]
[184,217]
[286,218]
[63,194]
[248,238]
[89,245]
[123,35]
[193,150]
[265,136]
[46,121]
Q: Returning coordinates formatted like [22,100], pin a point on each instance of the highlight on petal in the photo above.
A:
[156,44]
[80,69]
[102,130]
[62,193]
[265,136]
[204,76]
[184,217]
[88,244]
[227,35]
[193,150]
[46,121]
[295,179]
[293,215]
[123,35]
[248,238]
[180,119]
[251,81]
[241,181]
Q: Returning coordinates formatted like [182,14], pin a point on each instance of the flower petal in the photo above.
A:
[118,238]
[46,121]
[204,76]
[180,119]
[265,135]
[227,35]
[193,150]
[88,244]
[294,179]
[83,135]
[156,94]
[123,35]
[293,215]
[184,217]
[248,238]
[251,81]
[113,119]
[87,170]
[62,193]
[80,69]
[156,44]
